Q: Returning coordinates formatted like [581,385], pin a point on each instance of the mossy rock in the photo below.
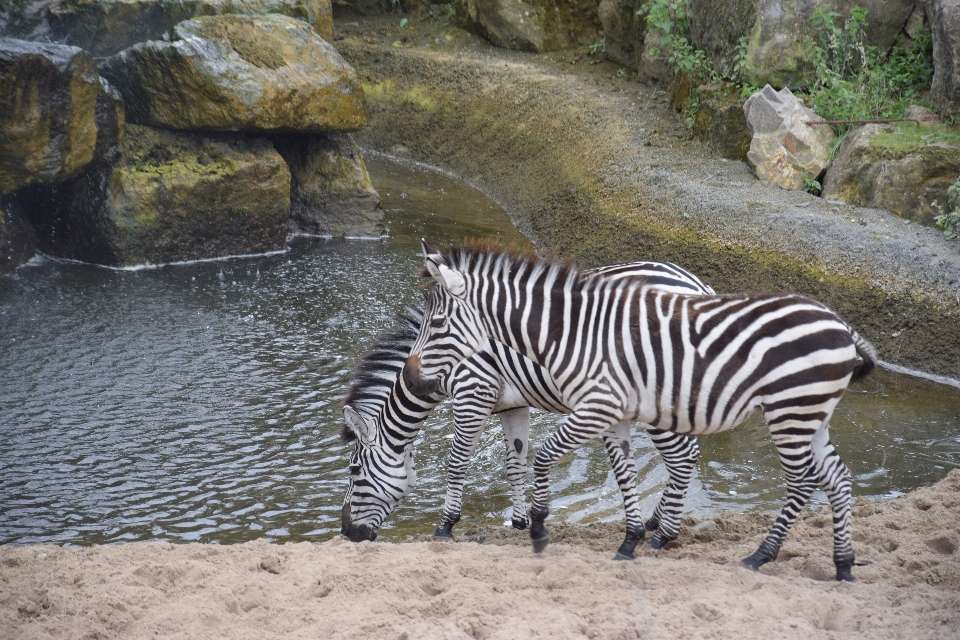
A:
[105,27]
[238,73]
[331,193]
[48,95]
[171,196]
[905,169]
[720,123]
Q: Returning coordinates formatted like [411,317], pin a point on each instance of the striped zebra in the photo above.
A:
[619,349]
[384,417]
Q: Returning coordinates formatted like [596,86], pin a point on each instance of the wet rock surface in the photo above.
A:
[260,73]
[171,197]
[104,27]
[17,240]
[600,169]
[48,95]
[331,193]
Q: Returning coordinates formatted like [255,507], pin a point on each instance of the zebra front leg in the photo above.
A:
[516,436]
[834,477]
[583,425]
[617,441]
[680,455]
[470,413]
[792,439]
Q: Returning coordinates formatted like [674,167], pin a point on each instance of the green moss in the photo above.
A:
[909,138]
[416,96]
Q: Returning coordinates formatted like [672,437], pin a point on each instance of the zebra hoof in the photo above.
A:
[445,531]
[845,573]
[621,556]
[519,523]
[754,561]
[539,544]
[656,542]
[651,525]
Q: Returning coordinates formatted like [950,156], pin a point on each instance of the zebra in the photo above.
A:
[620,349]
[383,416]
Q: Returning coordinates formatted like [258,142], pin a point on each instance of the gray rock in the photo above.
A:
[654,66]
[104,27]
[623,31]
[531,25]
[901,179]
[25,19]
[170,197]
[706,526]
[48,95]
[331,193]
[240,73]
[784,149]
[720,122]
[945,23]
[921,114]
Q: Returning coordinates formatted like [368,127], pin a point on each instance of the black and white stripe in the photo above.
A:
[384,416]
[620,349]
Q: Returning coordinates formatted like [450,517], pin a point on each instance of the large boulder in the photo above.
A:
[945,29]
[170,196]
[26,19]
[776,30]
[623,30]
[232,73]
[785,150]
[48,96]
[17,240]
[330,189]
[105,27]
[531,25]
[895,168]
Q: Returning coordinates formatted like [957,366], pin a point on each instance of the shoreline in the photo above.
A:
[908,586]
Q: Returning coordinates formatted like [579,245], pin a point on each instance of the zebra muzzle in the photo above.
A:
[413,378]
[355,532]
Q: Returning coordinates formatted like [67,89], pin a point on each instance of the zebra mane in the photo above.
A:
[380,367]
[481,252]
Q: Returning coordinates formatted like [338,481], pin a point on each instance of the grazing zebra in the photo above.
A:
[384,417]
[619,349]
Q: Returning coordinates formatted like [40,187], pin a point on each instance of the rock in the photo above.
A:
[706,526]
[783,149]
[111,122]
[945,87]
[48,95]
[775,31]
[105,27]
[654,66]
[720,122]
[623,31]
[18,243]
[921,114]
[534,25]
[25,19]
[233,73]
[890,172]
[171,196]
[331,193]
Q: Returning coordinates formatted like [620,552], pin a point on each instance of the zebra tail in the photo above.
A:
[869,355]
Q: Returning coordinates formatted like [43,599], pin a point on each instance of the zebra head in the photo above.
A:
[379,477]
[451,331]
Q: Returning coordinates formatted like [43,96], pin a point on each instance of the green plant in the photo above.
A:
[621,73]
[690,109]
[600,46]
[812,186]
[853,82]
[949,221]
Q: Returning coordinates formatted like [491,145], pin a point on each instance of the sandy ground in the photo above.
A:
[908,588]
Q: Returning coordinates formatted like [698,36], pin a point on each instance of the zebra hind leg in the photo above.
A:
[680,455]
[834,477]
[617,442]
[516,436]
[792,438]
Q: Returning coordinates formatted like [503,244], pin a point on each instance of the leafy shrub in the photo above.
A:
[949,221]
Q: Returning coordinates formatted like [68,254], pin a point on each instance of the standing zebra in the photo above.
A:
[619,349]
[384,417]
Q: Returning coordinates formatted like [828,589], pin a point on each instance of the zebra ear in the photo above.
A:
[437,267]
[366,431]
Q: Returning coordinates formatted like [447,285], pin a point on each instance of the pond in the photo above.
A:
[201,402]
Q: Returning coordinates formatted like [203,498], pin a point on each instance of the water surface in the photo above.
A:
[202,402]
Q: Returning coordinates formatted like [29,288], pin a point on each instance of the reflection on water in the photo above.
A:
[201,402]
